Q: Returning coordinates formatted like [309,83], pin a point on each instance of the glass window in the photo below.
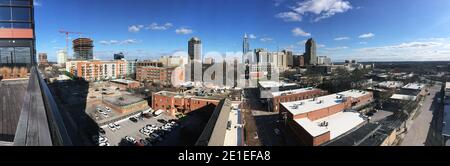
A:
[20,2]
[22,55]
[5,55]
[21,14]
[21,25]
[5,2]
[5,13]
[5,25]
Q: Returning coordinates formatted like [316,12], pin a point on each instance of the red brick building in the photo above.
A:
[292,95]
[319,120]
[178,102]
[153,74]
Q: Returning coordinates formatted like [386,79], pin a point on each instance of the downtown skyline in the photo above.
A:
[343,29]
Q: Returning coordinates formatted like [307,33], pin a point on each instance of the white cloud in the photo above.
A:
[184,31]
[135,28]
[155,26]
[300,32]
[266,39]
[362,42]
[337,48]
[366,36]
[322,8]
[278,2]
[252,36]
[321,45]
[36,3]
[408,51]
[116,42]
[289,16]
[341,38]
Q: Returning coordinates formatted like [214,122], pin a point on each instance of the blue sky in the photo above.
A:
[367,30]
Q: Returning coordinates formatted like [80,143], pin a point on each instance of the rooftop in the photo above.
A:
[414,86]
[309,105]
[403,97]
[274,84]
[337,124]
[123,100]
[123,81]
[391,84]
[295,91]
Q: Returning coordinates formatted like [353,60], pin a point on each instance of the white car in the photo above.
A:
[117,125]
[112,127]
[174,123]
[104,144]
[108,109]
[151,127]
[130,139]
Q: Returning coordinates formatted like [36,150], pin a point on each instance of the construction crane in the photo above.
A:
[67,33]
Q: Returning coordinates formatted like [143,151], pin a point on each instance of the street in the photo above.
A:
[422,132]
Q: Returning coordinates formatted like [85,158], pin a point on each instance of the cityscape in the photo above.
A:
[285,75]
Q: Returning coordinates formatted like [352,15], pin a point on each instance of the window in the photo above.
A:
[5,13]
[20,2]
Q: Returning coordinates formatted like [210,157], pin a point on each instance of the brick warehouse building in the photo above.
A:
[154,74]
[292,95]
[319,120]
[173,102]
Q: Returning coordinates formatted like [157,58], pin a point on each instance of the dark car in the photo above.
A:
[162,121]
[133,119]
[101,131]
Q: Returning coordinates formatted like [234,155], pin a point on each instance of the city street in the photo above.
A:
[419,132]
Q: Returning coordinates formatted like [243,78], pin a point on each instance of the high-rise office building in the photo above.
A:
[195,49]
[83,49]
[61,57]
[310,52]
[245,49]
[17,53]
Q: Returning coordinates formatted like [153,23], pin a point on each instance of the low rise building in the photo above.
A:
[160,75]
[266,88]
[124,84]
[173,102]
[292,95]
[319,120]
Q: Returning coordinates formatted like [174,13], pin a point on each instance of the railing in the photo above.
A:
[40,122]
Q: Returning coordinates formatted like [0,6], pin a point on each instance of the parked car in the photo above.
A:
[104,144]
[173,123]
[117,125]
[145,142]
[151,127]
[101,131]
[156,137]
[130,139]
[108,109]
[133,119]
[112,127]
[162,121]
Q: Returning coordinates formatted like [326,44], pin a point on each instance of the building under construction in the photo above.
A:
[83,49]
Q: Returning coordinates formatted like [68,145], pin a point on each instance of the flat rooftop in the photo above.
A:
[391,84]
[337,124]
[123,100]
[295,91]
[309,105]
[403,97]
[12,94]
[414,86]
[274,84]
[123,81]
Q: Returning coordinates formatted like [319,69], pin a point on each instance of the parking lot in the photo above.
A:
[129,128]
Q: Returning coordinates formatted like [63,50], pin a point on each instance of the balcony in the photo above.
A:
[40,122]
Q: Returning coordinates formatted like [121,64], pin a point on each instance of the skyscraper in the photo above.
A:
[61,57]
[310,52]
[17,53]
[83,49]
[119,56]
[245,49]
[195,49]
[43,59]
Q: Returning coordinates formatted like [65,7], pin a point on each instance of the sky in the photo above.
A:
[365,30]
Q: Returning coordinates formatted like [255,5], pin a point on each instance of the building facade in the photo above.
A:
[43,61]
[97,70]
[61,56]
[180,103]
[83,49]
[17,38]
[159,75]
[195,49]
[310,52]
[119,56]
[292,95]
